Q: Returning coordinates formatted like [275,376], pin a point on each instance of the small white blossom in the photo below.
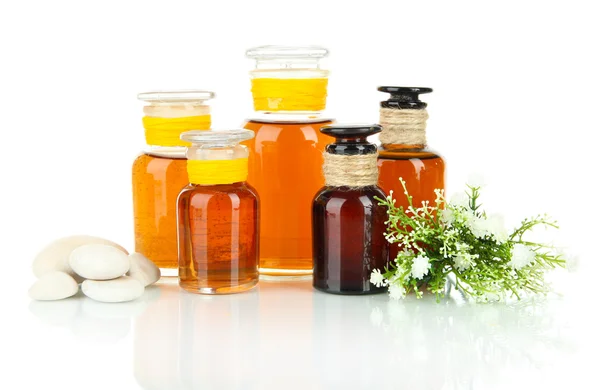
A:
[460,199]
[521,256]
[377,278]
[572,263]
[397,291]
[478,226]
[420,267]
[462,262]
[447,216]
[496,228]
[476,180]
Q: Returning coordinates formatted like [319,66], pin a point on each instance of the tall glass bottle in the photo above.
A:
[289,90]
[404,152]
[159,172]
[348,222]
[217,215]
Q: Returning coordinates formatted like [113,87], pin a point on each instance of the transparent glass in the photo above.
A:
[158,175]
[218,224]
[285,162]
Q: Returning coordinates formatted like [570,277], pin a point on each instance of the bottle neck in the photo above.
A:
[403,128]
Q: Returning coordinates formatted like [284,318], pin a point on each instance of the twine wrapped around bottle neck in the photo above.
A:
[350,171]
[403,126]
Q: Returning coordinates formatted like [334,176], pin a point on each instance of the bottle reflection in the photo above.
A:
[189,341]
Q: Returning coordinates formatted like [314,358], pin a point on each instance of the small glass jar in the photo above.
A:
[159,172]
[286,155]
[218,215]
[348,221]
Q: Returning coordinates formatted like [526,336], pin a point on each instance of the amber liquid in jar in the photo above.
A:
[285,167]
[218,238]
[421,169]
[157,181]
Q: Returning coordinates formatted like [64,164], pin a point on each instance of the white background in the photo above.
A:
[515,97]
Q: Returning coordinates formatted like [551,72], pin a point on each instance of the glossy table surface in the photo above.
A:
[285,335]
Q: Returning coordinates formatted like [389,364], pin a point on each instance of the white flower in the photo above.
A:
[420,267]
[377,278]
[396,291]
[495,227]
[460,199]
[478,226]
[521,256]
[572,262]
[447,216]
[476,180]
[462,262]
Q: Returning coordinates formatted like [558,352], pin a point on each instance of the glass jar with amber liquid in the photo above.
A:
[159,172]
[218,215]
[289,90]
[348,221]
[404,153]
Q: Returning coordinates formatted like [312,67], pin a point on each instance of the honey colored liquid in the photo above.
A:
[157,182]
[218,244]
[285,167]
[422,170]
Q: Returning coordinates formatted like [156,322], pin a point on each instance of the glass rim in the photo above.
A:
[229,136]
[274,52]
[176,96]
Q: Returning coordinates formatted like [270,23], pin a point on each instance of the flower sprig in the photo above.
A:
[458,238]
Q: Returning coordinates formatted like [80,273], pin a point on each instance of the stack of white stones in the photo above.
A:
[106,271]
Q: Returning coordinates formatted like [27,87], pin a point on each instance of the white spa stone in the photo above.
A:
[55,256]
[53,286]
[123,289]
[99,262]
[142,269]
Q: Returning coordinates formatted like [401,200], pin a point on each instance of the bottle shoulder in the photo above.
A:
[240,190]
[399,153]
[362,194]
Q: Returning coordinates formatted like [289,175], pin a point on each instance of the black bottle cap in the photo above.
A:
[351,139]
[404,97]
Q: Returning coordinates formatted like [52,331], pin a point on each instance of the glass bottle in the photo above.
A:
[159,172]
[217,215]
[289,90]
[348,222]
[404,153]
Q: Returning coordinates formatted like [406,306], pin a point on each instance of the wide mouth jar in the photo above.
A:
[177,103]
[288,78]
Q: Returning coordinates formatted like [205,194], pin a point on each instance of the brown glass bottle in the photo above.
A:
[218,216]
[348,222]
[422,169]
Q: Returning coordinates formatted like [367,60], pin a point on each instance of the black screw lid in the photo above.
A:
[404,97]
[351,139]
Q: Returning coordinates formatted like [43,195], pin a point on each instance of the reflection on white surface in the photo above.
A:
[93,321]
[288,336]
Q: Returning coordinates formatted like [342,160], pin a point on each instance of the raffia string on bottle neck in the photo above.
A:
[350,171]
[403,126]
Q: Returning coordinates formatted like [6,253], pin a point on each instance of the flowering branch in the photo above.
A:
[458,238]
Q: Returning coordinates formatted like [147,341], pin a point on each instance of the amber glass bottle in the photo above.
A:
[348,222]
[217,215]
[404,152]
[289,91]
[159,172]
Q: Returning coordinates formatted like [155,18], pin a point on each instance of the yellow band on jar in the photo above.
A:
[208,172]
[166,131]
[273,94]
